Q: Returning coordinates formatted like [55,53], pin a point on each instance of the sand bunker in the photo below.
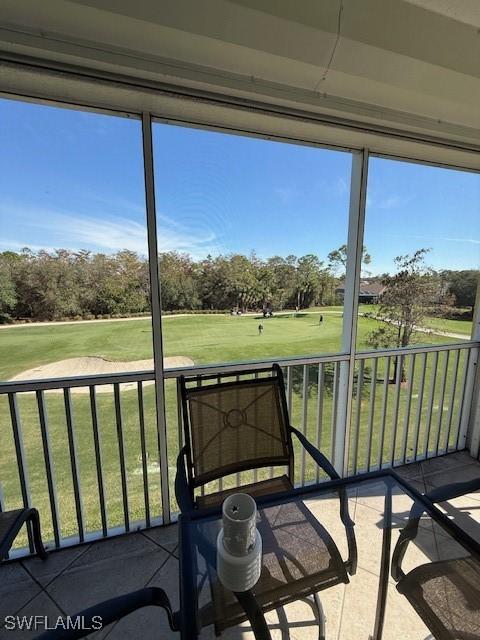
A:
[89,366]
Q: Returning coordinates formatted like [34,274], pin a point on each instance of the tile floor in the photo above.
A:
[76,578]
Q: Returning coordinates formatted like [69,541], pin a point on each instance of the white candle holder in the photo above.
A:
[239,544]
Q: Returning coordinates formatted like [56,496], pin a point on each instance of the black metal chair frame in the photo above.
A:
[408,534]
[31,519]
[185,481]
[114,609]
[189,596]
[185,619]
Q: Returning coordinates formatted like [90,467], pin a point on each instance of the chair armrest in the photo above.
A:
[441,494]
[450,491]
[325,464]
[408,533]
[182,490]
[319,458]
[104,613]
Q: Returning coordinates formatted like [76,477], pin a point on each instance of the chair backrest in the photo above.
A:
[235,426]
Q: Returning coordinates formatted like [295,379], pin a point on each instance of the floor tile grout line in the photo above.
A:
[42,589]
[340,622]
[67,566]
[45,590]
[25,604]
[62,611]
[159,569]
[114,624]
[391,581]
[145,535]
[15,613]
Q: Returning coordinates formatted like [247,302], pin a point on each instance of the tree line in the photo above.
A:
[61,284]
[64,284]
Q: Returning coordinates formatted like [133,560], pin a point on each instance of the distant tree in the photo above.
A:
[265,284]
[8,296]
[114,284]
[327,285]
[241,285]
[179,281]
[463,286]
[284,276]
[309,268]
[50,285]
[338,257]
[409,294]
[46,285]
[209,283]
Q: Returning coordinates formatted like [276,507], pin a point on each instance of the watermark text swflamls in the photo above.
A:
[44,623]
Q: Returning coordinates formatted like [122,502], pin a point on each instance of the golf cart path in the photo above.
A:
[58,323]
[436,332]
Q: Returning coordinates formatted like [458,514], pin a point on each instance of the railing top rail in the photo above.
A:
[75,381]
[468,344]
[238,367]
[19,386]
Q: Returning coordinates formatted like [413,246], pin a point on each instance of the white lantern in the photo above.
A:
[239,544]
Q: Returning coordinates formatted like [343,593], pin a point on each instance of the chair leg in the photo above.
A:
[315,603]
[37,534]
[321,616]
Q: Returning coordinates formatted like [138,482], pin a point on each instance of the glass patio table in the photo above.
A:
[418,573]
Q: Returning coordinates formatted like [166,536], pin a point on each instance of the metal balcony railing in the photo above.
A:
[86,451]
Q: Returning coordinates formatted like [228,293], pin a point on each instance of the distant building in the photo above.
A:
[369,293]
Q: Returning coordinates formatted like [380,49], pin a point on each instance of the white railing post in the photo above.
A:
[472,422]
[358,192]
[155,290]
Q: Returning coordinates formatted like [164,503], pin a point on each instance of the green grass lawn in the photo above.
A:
[462,327]
[25,347]
[206,339]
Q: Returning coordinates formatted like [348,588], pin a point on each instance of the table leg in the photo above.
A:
[385,566]
[254,615]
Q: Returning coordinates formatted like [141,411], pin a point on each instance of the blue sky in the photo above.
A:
[75,180]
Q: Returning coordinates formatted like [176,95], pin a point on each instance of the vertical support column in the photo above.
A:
[358,193]
[473,378]
[156,311]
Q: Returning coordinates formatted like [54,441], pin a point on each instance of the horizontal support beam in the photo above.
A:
[19,386]
[235,367]
[26,77]
[470,344]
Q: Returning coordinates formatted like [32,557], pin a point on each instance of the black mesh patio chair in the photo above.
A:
[243,425]
[444,593]
[112,610]
[10,524]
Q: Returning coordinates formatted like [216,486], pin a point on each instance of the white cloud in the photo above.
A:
[467,240]
[8,245]
[285,194]
[432,238]
[340,187]
[392,202]
[108,234]
[386,203]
